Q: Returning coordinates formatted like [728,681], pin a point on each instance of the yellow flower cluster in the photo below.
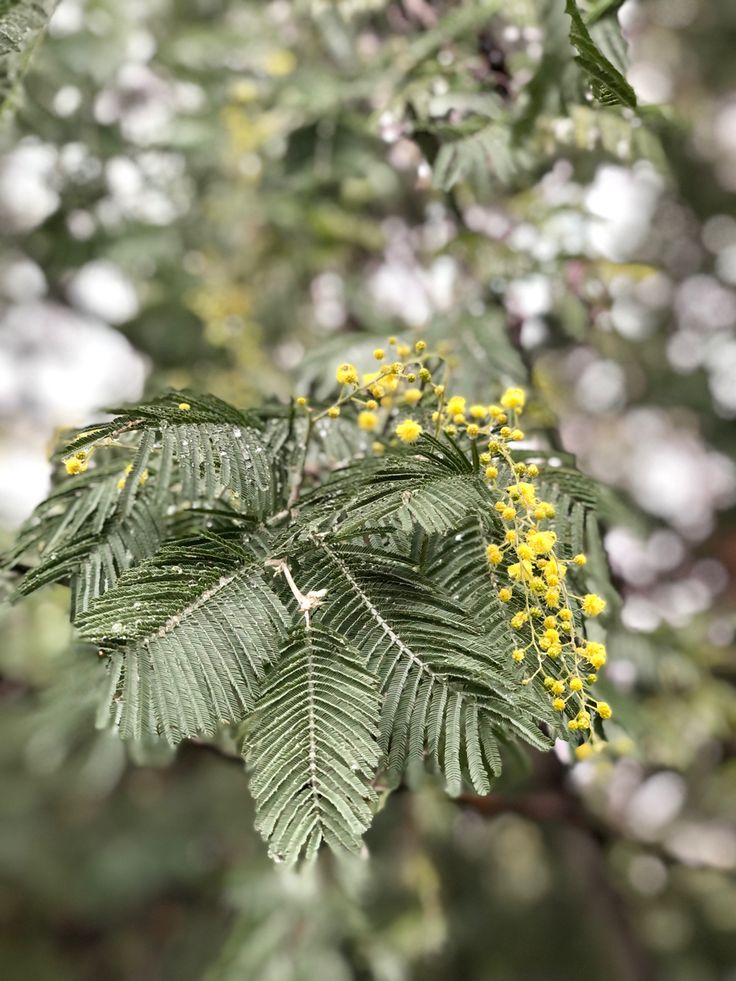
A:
[77,463]
[401,382]
[398,402]
[545,612]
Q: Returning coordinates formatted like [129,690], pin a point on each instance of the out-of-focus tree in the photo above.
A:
[249,192]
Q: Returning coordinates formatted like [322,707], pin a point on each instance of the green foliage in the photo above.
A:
[608,83]
[313,749]
[22,23]
[351,631]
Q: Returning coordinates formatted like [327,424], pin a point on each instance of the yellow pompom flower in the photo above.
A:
[505,594]
[584,752]
[456,405]
[412,396]
[494,553]
[557,687]
[517,654]
[593,605]
[333,412]
[576,684]
[558,704]
[604,710]
[408,431]
[541,541]
[491,473]
[595,653]
[368,421]
[518,620]
[579,559]
[379,354]
[184,406]
[420,346]
[473,431]
[478,412]
[301,401]
[508,514]
[514,398]
[524,492]
[347,374]
[74,466]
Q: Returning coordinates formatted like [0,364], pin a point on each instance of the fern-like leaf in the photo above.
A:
[609,85]
[439,671]
[82,538]
[189,632]
[201,446]
[435,487]
[313,747]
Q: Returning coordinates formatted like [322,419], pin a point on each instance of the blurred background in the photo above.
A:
[233,196]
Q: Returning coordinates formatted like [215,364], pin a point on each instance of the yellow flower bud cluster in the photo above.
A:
[535,579]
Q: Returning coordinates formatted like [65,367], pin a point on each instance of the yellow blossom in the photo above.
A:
[520,570]
[604,710]
[593,605]
[473,431]
[412,396]
[456,405]
[576,684]
[494,553]
[505,594]
[517,654]
[184,406]
[514,398]
[579,559]
[408,431]
[301,401]
[542,541]
[557,687]
[74,466]
[368,421]
[491,473]
[420,346]
[379,354]
[595,653]
[584,752]
[518,620]
[333,412]
[347,374]
[478,411]
[510,536]
[558,704]
[524,492]
[378,448]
